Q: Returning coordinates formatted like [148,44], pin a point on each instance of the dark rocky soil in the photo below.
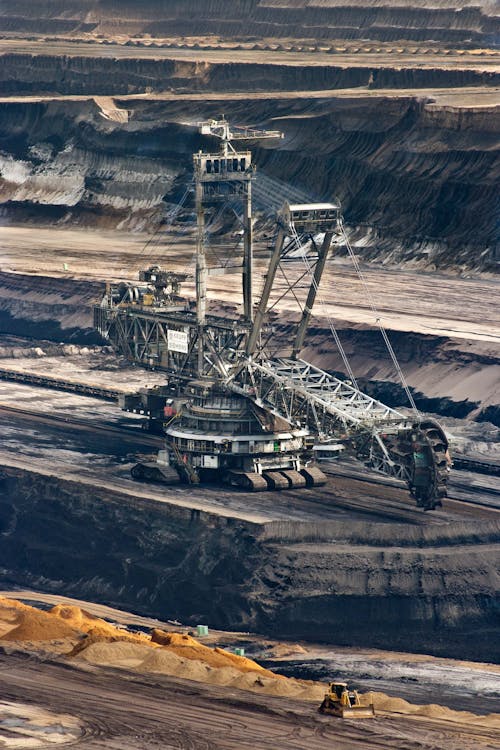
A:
[394,109]
[473,21]
[418,588]
[416,182]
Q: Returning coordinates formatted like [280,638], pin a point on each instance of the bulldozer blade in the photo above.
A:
[344,712]
[357,712]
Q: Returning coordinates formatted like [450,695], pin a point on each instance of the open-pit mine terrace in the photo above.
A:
[395,110]
[355,557]
[100,130]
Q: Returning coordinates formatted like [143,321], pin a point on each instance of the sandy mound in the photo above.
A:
[193,670]
[115,653]
[35,625]
[383,702]
[12,604]
[96,636]
[188,648]
[166,661]
[315,691]
[95,626]
[222,676]
[161,660]
[182,656]
[62,621]
[257,682]
[80,619]
[10,613]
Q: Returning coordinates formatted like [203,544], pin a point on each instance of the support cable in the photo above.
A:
[331,324]
[378,320]
[170,218]
[206,237]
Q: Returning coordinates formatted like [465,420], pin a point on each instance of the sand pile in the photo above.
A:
[12,604]
[96,637]
[94,626]
[35,625]
[10,612]
[179,655]
[81,620]
[189,648]
[122,653]
[60,622]
[224,675]
[166,661]
[385,702]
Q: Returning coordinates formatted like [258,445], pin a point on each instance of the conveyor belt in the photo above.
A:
[61,385]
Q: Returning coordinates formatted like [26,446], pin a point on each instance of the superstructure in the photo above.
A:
[231,409]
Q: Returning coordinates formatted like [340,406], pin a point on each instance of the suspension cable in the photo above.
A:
[206,237]
[378,320]
[170,218]
[331,324]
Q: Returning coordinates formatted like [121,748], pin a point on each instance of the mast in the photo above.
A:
[264,298]
[201,268]
[313,291]
[227,174]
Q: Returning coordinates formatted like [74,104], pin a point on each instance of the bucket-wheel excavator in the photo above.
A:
[238,406]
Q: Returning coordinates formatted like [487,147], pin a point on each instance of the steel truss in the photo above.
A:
[142,337]
[230,354]
[300,391]
[331,409]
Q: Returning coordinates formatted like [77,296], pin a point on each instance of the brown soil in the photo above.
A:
[188,648]
[180,655]
[40,626]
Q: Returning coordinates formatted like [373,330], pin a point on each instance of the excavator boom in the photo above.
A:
[414,451]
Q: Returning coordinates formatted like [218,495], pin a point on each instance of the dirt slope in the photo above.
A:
[472,20]
[417,181]
[421,585]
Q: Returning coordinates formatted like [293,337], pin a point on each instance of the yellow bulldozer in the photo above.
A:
[345,703]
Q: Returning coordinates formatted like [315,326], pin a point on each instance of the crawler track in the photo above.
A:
[350,491]
[461,463]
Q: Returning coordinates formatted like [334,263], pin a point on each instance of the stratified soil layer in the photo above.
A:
[460,22]
[428,587]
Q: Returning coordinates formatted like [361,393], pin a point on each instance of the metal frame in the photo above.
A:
[302,393]
[232,355]
[142,337]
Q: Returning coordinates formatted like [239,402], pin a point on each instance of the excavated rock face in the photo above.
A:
[471,20]
[416,181]
[429,588]
[48,307]
[70,73]
[417,175]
